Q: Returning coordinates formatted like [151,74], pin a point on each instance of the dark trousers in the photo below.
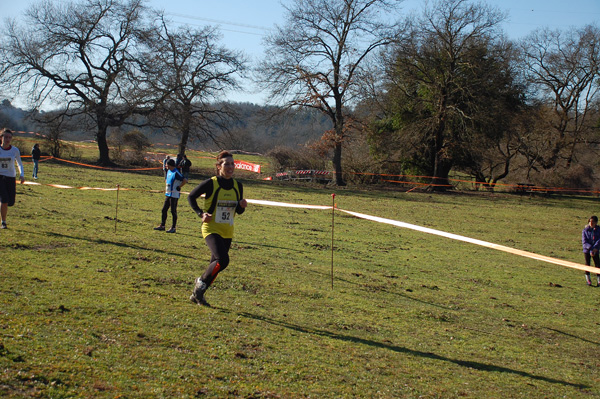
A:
[169,203]
[589,257]
[219,260]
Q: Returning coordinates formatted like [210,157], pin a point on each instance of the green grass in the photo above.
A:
[89,312]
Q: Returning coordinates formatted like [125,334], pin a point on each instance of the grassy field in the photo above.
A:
[90,312]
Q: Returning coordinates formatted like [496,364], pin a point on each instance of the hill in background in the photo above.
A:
[252,128]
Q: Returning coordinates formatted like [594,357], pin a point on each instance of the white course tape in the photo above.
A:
[519,252]
[427,230]
[31,183]
[59,186]
[273,203]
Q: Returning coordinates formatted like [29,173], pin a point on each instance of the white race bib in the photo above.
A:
[225,211]
[5,163]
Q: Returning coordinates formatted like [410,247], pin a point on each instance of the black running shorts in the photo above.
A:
[8,190]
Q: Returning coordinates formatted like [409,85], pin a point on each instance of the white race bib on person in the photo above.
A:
[225,211]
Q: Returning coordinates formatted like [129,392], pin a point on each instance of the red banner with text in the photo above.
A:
[252,167]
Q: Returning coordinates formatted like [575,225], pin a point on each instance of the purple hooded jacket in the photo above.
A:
[590,238]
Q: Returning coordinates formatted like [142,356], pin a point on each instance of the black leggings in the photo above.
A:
[170,202]
[596,258]
[219,248]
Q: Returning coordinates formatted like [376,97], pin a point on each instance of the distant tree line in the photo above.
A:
[432,94]
[253,128]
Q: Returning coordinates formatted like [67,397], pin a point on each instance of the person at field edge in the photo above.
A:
[224,197]
[175,181]
[35,155]
[185,165]
[9,154]
[590,238]
[179,161]
[165,169]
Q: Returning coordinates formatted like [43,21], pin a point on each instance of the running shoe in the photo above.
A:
[171,230]
[199,301]
[198,294]
[160,228]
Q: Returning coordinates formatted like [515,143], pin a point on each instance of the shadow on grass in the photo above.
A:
[400,349]
[116,243]
[364,286]
[271,246]
[573,336]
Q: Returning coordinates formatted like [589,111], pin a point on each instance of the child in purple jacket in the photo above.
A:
[590,238]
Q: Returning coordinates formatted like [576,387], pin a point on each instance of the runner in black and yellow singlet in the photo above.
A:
[224,197]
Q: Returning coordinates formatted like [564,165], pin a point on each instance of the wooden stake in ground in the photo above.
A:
[117,209]
[332,226]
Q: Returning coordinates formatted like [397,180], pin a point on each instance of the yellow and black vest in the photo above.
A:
[222,205]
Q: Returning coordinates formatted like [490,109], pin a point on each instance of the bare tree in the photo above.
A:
[563,68]
[191,71]
[315,59]
[55,128]
[78,54]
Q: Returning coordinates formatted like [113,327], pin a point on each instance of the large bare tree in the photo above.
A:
[79,56]
[191,71]
[314,60]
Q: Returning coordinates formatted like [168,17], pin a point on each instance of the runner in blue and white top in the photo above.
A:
[174,181]
[9,154]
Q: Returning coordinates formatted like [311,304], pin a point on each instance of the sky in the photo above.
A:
[243,23]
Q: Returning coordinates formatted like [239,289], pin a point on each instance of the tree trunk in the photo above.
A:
[103,145]
[183,142]
[440,180]
[337,164]
[440,168]
[185,134]
[338,123]
[185,130]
